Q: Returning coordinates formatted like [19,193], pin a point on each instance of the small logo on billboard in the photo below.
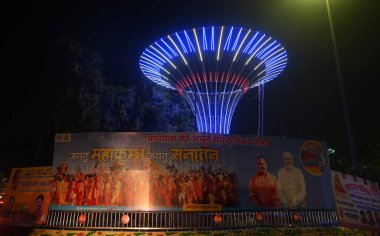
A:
[314,157]
[63,137]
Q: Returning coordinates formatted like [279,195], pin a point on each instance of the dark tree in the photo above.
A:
[369,160]
[73,75]
[79,99]
[369,157]
[165,110]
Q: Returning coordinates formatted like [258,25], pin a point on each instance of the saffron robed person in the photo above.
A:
[263,186]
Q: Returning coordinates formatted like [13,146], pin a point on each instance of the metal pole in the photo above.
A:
[351,142]
[260,126]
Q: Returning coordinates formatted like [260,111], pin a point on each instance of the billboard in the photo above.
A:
[357,201]
[189,172]
[27,195]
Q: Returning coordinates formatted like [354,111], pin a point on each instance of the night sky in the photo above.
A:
[303,102]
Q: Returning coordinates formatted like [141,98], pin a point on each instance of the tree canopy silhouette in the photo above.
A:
[73,96]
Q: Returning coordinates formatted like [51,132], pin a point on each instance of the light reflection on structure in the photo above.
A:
[213,67]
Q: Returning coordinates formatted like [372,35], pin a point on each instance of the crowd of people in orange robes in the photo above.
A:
[202,186]
[113,188]
[130,188]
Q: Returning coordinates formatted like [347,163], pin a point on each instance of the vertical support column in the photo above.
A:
[260,123]
[347,119]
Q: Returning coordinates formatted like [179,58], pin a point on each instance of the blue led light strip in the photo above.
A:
[212,67]
[227,43]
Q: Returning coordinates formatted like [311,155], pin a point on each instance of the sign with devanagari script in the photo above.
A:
[27,196]
[357,200]
[189,172]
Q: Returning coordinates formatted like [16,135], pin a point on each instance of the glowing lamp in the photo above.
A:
[82,218]
[125,219]
[259,216]
[218,219]
[296,216]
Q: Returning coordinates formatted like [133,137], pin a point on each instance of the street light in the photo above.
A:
[351,142]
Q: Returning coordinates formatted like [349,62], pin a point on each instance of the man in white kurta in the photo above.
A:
[291,184]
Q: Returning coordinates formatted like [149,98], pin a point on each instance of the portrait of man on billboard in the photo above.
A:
[263,186]
[37,215]
[8,212]
[291,183]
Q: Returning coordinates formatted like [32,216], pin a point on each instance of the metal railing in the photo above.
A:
[154,220]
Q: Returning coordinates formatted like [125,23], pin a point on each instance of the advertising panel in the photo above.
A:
[189,172]
[27,195]
[357,201]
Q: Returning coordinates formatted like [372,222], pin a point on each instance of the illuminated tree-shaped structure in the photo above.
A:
[213,67]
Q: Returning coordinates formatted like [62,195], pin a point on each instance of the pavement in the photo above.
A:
[15,230]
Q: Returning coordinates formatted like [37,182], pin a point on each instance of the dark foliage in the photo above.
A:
[80,99]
